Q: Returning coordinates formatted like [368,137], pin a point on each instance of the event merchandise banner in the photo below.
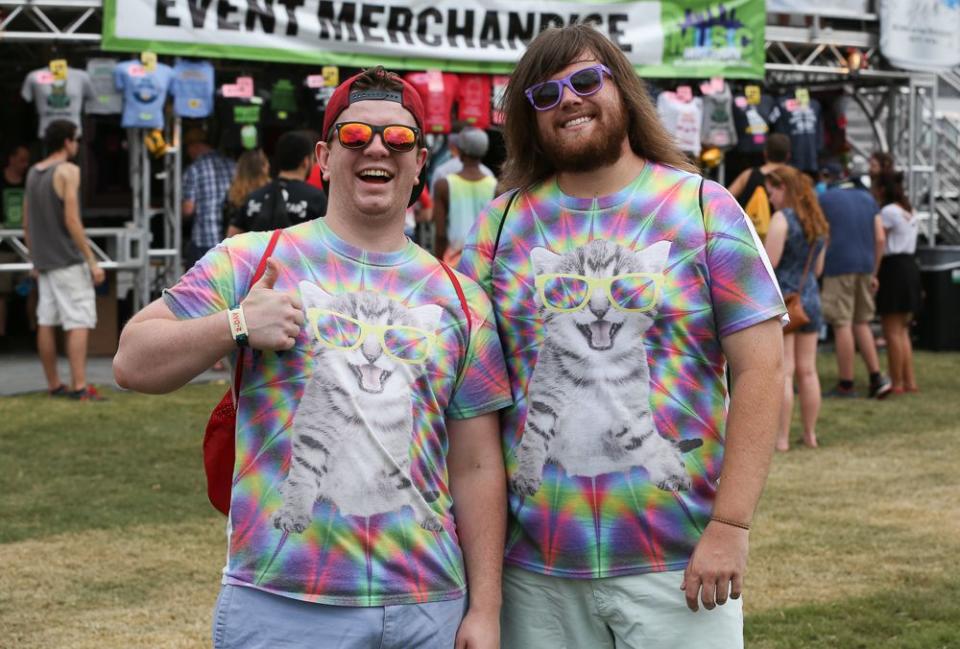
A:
[679,38]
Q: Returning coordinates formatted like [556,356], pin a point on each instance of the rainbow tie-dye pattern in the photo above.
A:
[347,560]
[716,281]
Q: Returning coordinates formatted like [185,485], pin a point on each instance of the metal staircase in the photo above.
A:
[947,203]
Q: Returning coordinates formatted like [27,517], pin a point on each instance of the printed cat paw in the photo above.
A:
[524,485]
[289,521]
[675,483]
[431,524]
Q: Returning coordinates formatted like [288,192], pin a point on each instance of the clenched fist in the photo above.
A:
[274,318]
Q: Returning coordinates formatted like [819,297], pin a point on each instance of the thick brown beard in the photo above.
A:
[601,151]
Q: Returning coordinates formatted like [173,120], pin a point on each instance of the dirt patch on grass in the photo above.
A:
[152,587]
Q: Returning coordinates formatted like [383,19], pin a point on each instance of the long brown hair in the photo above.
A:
[800,195]
[888,188]
[550,52]
[251,175]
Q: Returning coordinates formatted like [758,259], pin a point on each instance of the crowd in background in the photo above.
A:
[855,231]
[223,197]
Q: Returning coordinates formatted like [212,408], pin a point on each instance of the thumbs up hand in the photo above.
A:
[274,318]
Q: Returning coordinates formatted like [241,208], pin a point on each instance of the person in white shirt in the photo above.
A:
[899,293]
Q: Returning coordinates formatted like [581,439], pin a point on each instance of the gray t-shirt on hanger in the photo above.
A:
[718,128]
[57,99]
[107,100]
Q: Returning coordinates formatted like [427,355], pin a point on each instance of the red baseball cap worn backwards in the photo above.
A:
[344,96]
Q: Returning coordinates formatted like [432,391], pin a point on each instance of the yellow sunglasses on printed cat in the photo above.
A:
[401,343]
[632,292]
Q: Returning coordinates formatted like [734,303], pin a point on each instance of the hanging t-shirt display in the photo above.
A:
[106,99]
[316,93]
[283,105]
[718,127]
[473,100]
[752,122]
[11,203]
[683,119]
[192,88]
[144,93]
[800,121]
[499,83]
[437,90]
[57,98]
[240,121]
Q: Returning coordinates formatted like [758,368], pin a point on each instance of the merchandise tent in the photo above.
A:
[689,51]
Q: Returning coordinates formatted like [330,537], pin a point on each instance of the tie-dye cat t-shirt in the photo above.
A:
[611,311]
[340,489]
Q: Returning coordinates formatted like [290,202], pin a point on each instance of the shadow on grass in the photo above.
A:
[916,616]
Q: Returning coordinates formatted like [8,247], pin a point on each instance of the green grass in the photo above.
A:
[69,467]
[107,539]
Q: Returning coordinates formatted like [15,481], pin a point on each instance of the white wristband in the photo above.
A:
[238,325]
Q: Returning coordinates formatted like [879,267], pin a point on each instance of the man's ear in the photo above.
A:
[422,155]
[323,159]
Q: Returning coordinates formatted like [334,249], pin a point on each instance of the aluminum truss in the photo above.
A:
[76,21]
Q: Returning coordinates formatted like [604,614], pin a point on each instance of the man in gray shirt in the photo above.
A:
[63,263]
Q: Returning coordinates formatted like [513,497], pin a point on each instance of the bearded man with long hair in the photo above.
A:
[624,285]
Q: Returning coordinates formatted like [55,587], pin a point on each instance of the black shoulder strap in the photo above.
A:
[503,219]
[700,197]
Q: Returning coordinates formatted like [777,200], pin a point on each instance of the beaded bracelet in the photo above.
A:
[727,521]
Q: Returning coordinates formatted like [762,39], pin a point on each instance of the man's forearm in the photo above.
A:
[751,432]
[79,237]
[157,356]
[480,504]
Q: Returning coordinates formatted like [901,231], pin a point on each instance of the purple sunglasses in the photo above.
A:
[584,82]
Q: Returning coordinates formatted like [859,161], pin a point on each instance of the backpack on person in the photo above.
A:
[757,205]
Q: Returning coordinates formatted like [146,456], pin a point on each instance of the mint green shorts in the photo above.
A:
[634,612]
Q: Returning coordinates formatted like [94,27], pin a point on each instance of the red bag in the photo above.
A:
[219,440]
[219,451]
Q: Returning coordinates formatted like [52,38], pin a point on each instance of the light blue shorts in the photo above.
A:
[247,618]
[646,611]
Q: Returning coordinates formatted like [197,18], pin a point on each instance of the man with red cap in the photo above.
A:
[368,404]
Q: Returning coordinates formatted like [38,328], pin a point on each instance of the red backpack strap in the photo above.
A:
[261,269]
[463,299]
[463,305]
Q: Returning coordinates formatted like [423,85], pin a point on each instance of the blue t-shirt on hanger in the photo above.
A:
[144,93]
[193,88]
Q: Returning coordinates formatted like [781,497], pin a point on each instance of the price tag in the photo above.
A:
[245,87]
[753,94]
[706,88]
[136,71]
[58,68]
[791,105]
[717,83]
[331,76]
[685,94]
[316,81]
[45,77]
[149,60]
[741,102]
[803,96]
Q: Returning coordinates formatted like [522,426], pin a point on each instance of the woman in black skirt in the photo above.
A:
[898,297]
